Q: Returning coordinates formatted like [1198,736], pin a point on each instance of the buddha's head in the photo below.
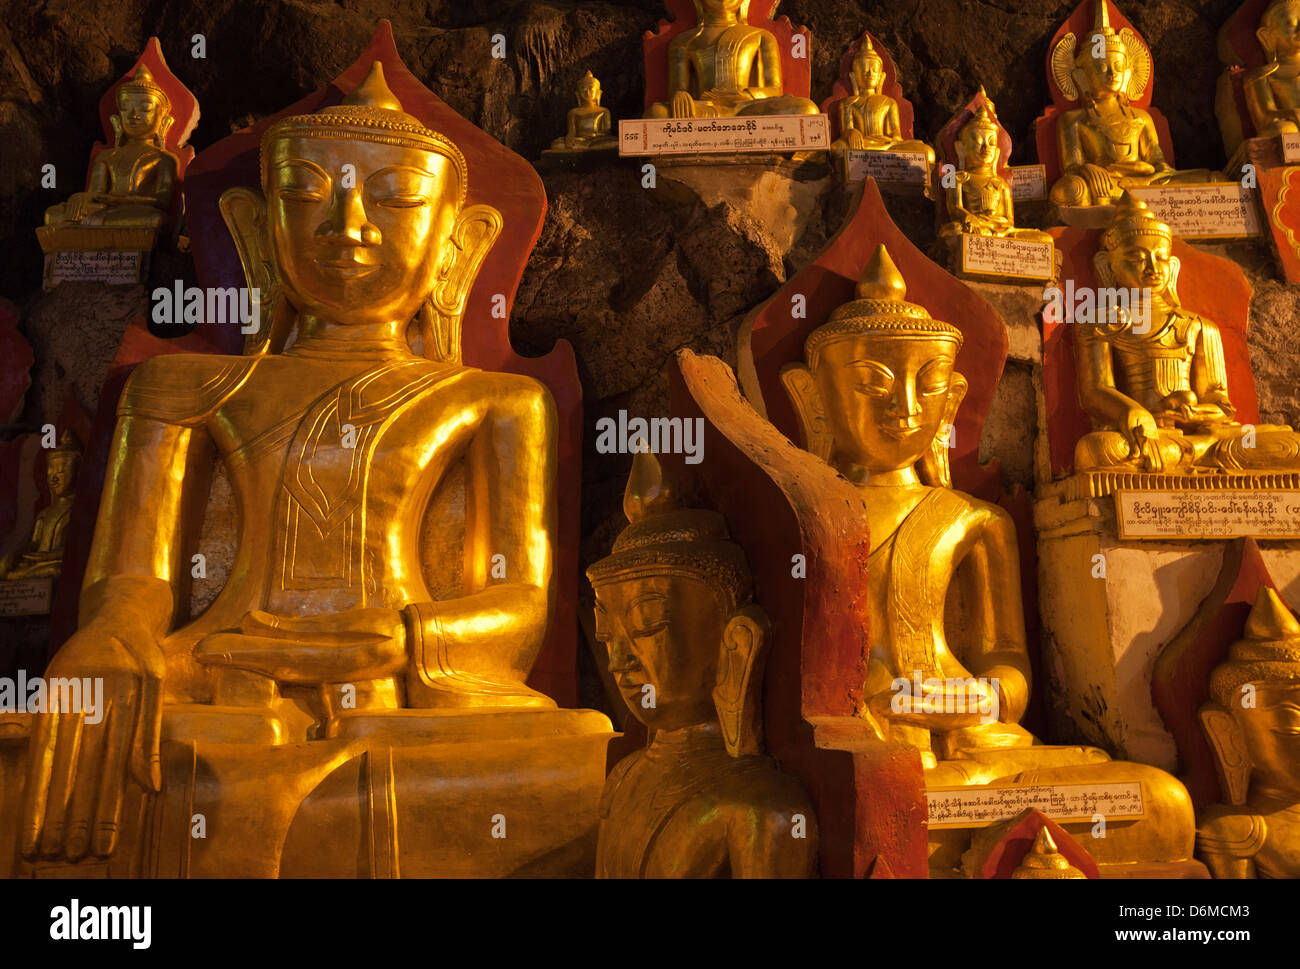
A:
[1104,65]
[867,72]
[685,647]
[1256,708]
[1279,30]
[1137,250]
[728,11]
[364,218]
[883,370]
[588,90]
[61,466]
[143,109]
[977,142]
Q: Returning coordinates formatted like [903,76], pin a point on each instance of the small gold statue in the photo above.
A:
[726,66]
[1273,90]
[877,399]
[1253,725]
[1044,860]
[131,184]
[868,117]
[42,556]
[1107,144]
[589,124]
[687,650]
[980,202]
[367,629]
[1157,392]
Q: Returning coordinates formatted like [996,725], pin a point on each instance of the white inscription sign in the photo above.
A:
[1219,210]
[1291,148]
[907,167]
[1208,514]
[978,807]
[26,597]
[1028,182]
[93,266]
[1008,258]
[696,136]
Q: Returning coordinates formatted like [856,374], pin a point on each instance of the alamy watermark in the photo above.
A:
[70,694]
[1098,306]
[658,435]
[222,305]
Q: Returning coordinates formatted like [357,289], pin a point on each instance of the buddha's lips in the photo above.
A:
[346,268]
[899,433]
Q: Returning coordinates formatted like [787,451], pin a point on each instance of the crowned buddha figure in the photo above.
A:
[979,201]
[131,184]
[949,670]
[1273,89]
[589,124]
[686,647]
[1154,382]
[42,556]
[1253,724]
[726,66]
[1107,144]
[327,699]
[868,117]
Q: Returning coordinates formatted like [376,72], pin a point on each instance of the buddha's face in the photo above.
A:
[663,634]
[140,113]
[589,90]
[979,146]
[61,474]
[1143,263]
[1108,74]
[869,73]
[1272,733]
[360,230]
[885,396]
[1279,31]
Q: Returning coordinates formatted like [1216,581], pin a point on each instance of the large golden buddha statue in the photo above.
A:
[1155,384]
[329,688]
[1253,725]
[725,66]
[42,556]
[687,649]
[1107,144]
[868,117]
[1273,89]
[979,201]
[132,184]
[949,671]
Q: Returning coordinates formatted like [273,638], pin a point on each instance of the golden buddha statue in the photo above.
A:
[949,671]
[1107,144]
[589,124]
[868,117]
[979,203]
[132,184]
[366,635]
[725,66]
[1157,392]
[42,556]
[687,650]
[1253,725]
[1273,89]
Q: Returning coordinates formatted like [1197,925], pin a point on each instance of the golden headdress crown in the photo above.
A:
[68,444]
[370,113]
[1269,652]
[880,307]
[984,116]
[867,52]
[663,538]
[1044,860]
[142,82]
[1101,28]
[1133,218]
[1277,5]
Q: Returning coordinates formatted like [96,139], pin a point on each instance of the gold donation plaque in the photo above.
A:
[1291,147]
[1214,210]
[695,136]
[978,807]
[908,167]
[26,597]
[1010,258]
[1028,182]
[1208,514]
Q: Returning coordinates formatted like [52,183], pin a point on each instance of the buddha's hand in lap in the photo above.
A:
[1100,181]
[78,768]
[1143,438]
[944,703]
[367,643]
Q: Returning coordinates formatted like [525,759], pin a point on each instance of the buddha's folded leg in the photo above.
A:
[784,104]
[1268,448]
[1071,190]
